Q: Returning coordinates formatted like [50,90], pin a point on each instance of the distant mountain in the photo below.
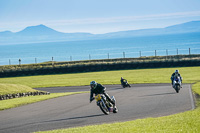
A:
[38,31]
[6,33]
[193,26]
[42,33]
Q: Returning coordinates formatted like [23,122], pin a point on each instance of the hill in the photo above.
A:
[38,31]
[42,33]
[189,27]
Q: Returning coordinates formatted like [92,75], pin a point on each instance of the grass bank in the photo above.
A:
[13,89]
[16,88]
[99,65]
[11,103]
[161,75]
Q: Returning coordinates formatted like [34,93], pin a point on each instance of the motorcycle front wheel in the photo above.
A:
[103,108]
[177,88]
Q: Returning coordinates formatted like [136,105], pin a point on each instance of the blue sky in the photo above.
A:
[96,16]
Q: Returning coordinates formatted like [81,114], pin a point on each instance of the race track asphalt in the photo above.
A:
[139,101]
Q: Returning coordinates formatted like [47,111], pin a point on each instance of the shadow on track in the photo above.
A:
[58,120]
[74,118]
[159,94]
[116,88]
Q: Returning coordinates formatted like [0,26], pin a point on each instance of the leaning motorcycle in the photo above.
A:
[177,84]
[125,84]
[105,106]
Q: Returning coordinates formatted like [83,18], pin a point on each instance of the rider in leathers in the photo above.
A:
[96,89]
[123,81]
[176,74]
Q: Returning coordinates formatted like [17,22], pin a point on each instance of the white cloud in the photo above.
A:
[78,23]
[124,19]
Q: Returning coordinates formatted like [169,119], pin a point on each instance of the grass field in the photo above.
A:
[161,75]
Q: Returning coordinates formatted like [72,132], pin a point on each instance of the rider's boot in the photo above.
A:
[112,100]
[114,103]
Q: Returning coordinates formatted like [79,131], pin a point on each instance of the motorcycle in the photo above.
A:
[177,84]
[105,106]
[125,84]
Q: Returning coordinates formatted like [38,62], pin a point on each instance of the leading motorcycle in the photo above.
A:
[105,105]
[177,84]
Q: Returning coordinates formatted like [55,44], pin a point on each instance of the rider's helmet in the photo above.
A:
[93,84]
[121,78]
[176,71]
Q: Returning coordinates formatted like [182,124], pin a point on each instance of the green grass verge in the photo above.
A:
[13,89]
[161,75]
[196,87]
[11,103]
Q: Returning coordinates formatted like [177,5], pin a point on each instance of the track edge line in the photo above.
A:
[191,97]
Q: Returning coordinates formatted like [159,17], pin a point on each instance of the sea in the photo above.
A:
[159,45]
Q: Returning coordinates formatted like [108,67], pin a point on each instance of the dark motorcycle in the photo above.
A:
[105,106]
[177,84]
[125,84]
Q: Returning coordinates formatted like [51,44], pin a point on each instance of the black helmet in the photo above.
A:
[93,84]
